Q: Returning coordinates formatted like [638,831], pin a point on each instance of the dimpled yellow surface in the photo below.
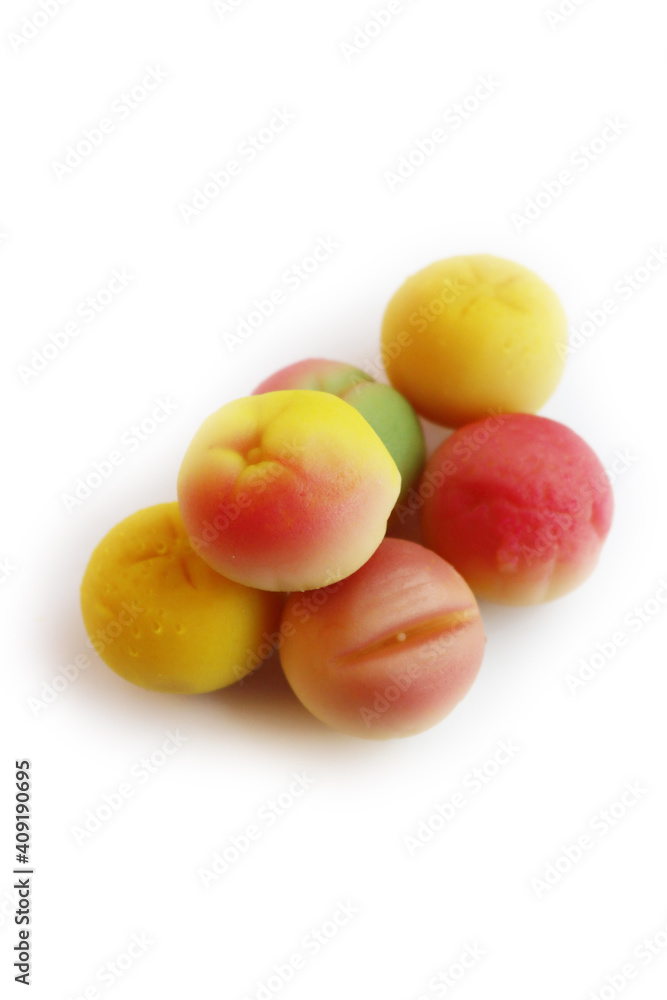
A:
[163,619]
[468,336]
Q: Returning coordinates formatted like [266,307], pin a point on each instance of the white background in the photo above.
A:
[163,337]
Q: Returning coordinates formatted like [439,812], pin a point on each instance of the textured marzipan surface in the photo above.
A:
[163,619]
[471,335]
[522,508]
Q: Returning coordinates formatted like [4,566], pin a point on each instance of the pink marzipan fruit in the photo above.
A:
[388,652]
[520,505]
